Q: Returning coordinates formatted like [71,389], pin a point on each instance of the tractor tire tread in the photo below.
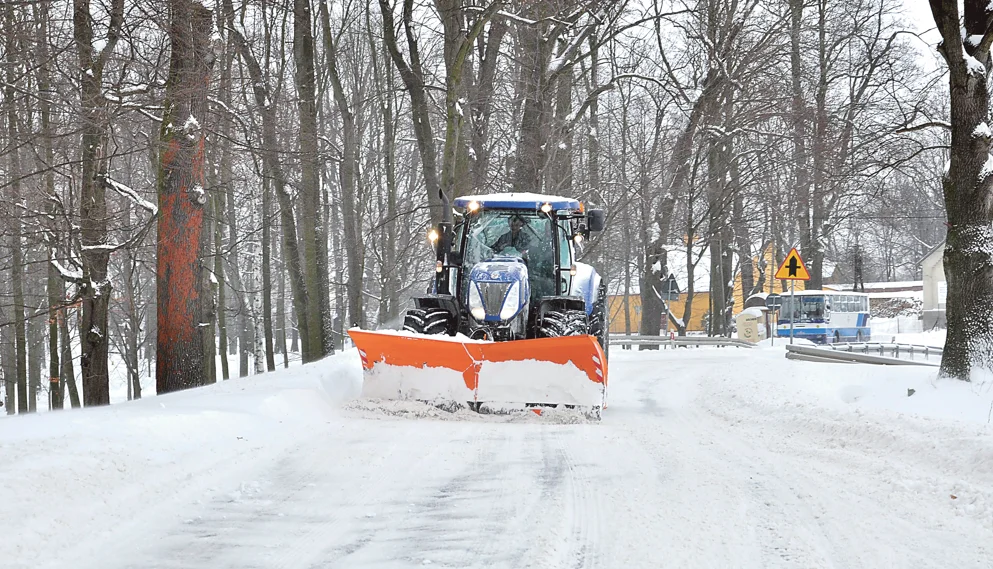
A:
[430,321]
[557,323]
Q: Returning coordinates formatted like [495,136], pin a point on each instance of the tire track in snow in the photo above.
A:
[299,509]
[442,515]
[563,527]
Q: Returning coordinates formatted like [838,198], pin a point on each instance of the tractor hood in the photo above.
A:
[498,289]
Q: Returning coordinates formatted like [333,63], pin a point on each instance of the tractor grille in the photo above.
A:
[493,295]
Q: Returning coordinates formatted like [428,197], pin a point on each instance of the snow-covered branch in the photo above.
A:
[130,193]
[68,275]
[142,109]
[559,61]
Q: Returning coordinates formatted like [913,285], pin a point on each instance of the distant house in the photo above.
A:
[935,289]
[622,321]
[677,265]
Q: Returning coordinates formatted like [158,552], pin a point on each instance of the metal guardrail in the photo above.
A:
[627,342]
[884,347]
[837,353]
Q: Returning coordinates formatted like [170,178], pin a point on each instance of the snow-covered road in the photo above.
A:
[705,458]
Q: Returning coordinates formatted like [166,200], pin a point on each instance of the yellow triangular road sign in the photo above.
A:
[792,268]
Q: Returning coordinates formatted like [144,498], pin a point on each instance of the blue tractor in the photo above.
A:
[506,270]
[511,317]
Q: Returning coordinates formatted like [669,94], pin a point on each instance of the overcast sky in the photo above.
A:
[919,13]
[921,21]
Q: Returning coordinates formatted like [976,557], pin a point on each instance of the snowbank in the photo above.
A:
[146,453]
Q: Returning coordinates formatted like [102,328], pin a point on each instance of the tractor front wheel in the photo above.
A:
[556,323]
[427,321]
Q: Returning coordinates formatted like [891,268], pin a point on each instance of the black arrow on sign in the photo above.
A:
[793,267]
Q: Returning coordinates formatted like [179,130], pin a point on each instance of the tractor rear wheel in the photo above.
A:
[426,321]
[599,325]
[556,323]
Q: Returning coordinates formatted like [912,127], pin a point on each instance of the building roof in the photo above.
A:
[519,200]
[939,247]
[881,287]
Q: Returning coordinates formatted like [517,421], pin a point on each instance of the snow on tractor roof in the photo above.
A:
[518,200]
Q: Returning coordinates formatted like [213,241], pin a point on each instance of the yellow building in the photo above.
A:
[700,307]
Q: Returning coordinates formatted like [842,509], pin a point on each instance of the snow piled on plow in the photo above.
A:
[501,385]
[534,381]
[387,381]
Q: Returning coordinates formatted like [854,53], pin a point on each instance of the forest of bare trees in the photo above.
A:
[195,190]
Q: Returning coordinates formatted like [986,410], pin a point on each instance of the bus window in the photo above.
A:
[802,309]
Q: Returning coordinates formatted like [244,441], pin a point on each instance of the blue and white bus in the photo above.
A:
[825,316]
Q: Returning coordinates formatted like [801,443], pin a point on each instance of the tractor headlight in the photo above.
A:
[512,303]
[476,303]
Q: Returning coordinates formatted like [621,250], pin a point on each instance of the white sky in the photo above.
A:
[919,14]
[921,21]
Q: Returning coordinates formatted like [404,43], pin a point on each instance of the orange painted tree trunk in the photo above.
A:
[184,293]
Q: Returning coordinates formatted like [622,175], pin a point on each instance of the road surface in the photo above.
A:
[693,465]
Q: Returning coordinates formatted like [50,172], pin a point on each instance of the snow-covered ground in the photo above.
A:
[706,457]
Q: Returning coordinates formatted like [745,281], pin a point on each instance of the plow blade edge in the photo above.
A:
[569,370]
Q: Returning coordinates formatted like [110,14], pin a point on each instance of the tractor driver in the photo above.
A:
[516,237]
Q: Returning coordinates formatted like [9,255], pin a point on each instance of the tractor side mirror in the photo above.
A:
[597,219]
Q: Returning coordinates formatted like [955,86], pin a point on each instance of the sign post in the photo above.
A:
[670,291]
[773,302]
[792,269]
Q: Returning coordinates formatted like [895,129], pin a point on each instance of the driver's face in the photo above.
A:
[516,224]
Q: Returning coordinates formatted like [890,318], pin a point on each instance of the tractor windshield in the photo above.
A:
[521,234]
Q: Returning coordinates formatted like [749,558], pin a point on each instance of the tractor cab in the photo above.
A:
[524,236]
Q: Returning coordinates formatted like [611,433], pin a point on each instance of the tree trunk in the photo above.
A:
[309,194]
[560,170]
[815,250]
[54,285]
[93,214]
[801,175]
[967,183]
[133,319]
[482,102]
[413,78]
[593,135]
[36,359]
[281,320]
[184,290]
[222,321]
[389,268]
[225,186]
[67,371]
[8,354]
[270,358]
[14,239]
[535,121]
[457,47]
[742,237]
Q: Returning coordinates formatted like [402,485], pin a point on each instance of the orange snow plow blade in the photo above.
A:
[570,370]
